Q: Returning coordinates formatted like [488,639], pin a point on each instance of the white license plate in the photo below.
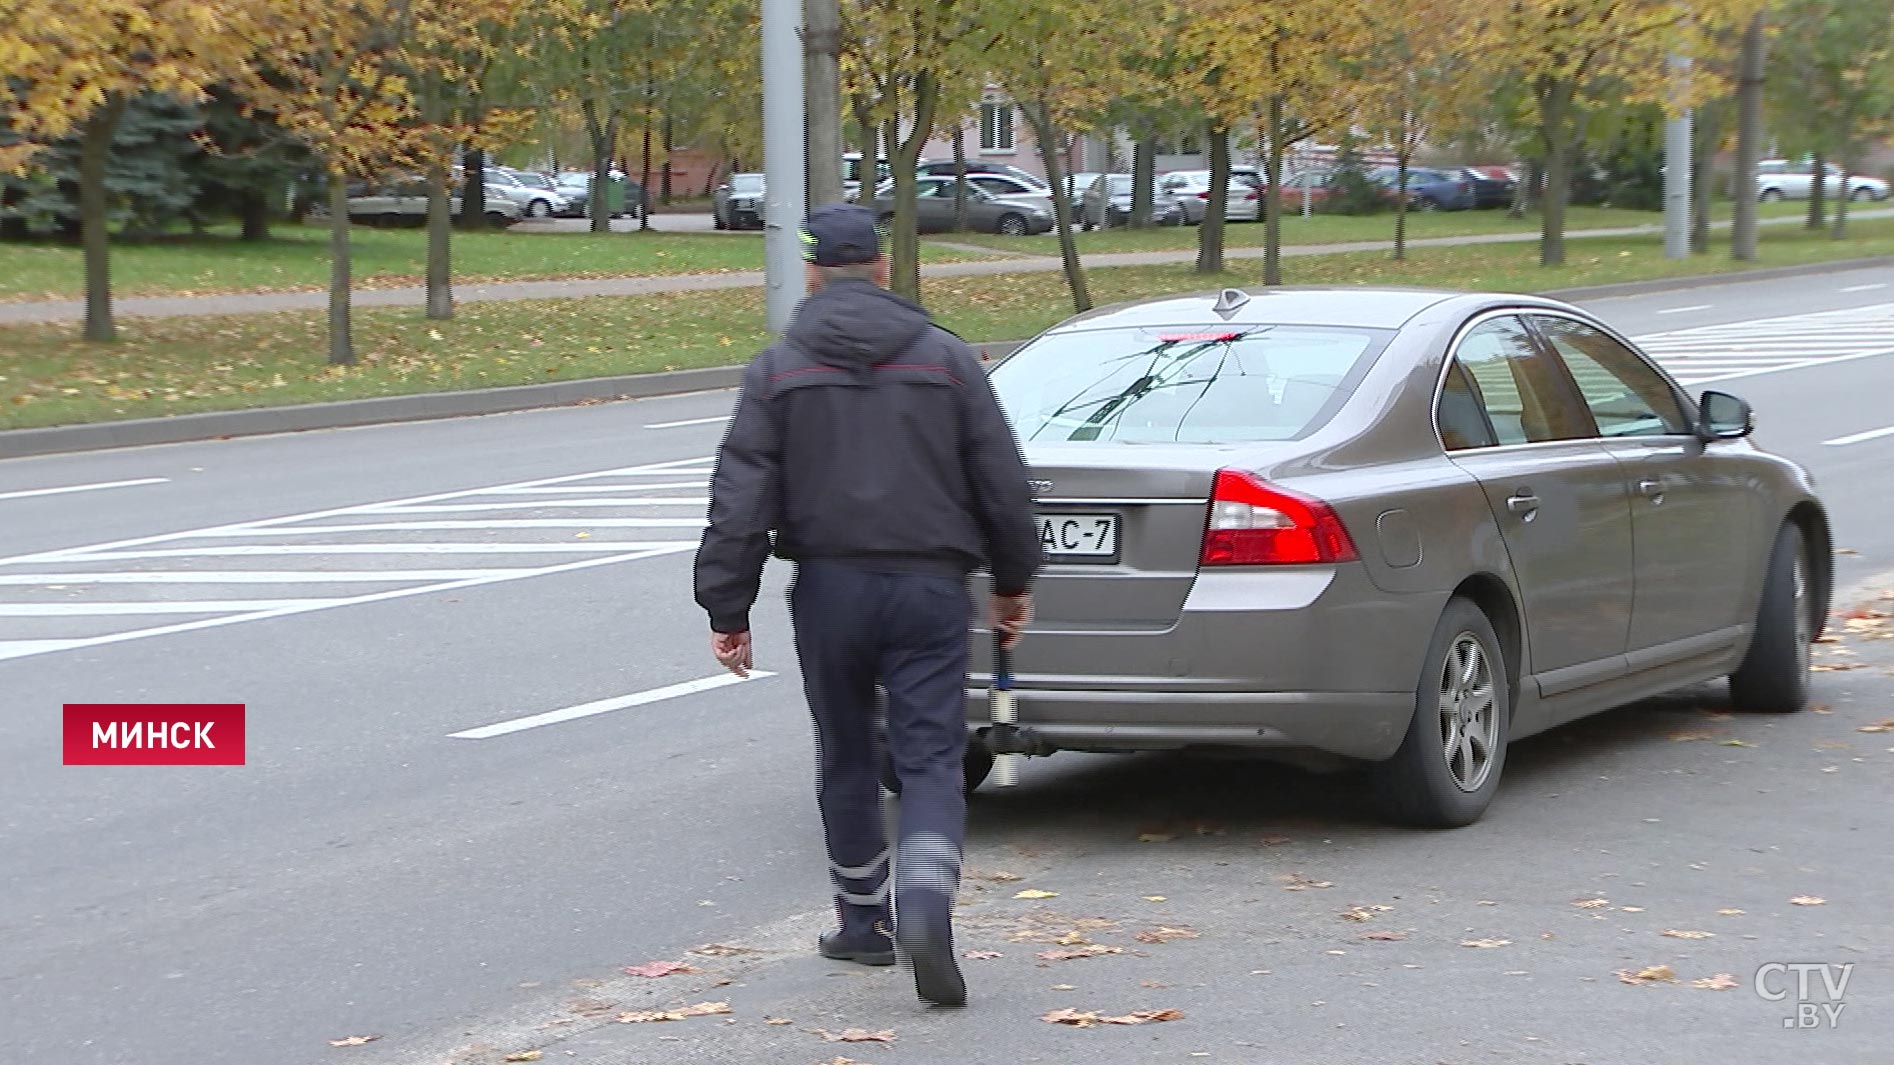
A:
[1079,536]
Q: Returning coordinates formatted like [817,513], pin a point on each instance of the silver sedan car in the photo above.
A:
[1399,527]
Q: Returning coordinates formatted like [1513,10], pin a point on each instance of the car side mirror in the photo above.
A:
[1722,416]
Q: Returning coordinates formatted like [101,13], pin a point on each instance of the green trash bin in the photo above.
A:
[614,197]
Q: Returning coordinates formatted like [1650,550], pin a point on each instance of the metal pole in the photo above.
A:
[783,126]
[1677,171]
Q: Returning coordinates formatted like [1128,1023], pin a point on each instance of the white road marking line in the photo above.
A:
[1865,288]
[588,546]
[82,487]
[568,489]
[1798,365]
[204,606]
[689,421]
[1856,438]
[498,523]
[27,648]
[1686,310]
[549,504]
[670,468]
[603,706]
[308,576]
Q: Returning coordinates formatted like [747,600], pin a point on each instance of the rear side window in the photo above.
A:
[1519,387]
[1191,384]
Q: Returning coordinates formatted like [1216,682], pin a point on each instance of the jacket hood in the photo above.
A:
[853,323]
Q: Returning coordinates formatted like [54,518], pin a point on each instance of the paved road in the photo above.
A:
[372,873]
[268,302]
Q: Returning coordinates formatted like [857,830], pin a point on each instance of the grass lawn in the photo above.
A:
[298,258]
[169,366]
[1336,229]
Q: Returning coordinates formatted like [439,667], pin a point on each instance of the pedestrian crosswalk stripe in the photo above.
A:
[1705,353]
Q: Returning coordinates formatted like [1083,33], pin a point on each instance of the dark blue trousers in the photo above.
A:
[856,628]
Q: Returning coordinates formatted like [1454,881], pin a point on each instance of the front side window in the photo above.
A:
[1626,396]
[1518,386]
[1196,384]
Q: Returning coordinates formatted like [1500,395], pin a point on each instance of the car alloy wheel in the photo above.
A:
[539,209]
[1771,196]
[1012,225]
[1469,713]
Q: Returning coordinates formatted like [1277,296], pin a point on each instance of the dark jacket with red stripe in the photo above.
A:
[867,435]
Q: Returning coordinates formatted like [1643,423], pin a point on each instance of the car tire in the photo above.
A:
[1437,779]
[1770,196]
[1861,193]
[1774,675]
[389,220]
[497,220]
[1011,225]
[539,209]
[1427,203]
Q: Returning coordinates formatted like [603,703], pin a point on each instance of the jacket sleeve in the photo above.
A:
[997,474]
[745,501]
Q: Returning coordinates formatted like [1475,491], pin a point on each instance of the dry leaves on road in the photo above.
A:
[1833,667]
[353,1040]
[525,1055]
[1385,937]
[855,1035]
[840,1060]
[1719,982]
[1686,933]
[1650,974]
[1591,904]
[722,950]
[1486,943]
[1363,913]
[1693,734]
[1087,1019]
[1729,911]
[1274,841]
[1298,882]
[777,1021]
[1737,743]
[701,1009]
[1879,726]
[1164,934]
[1035,893]
[661,968]
[1155,837]
[998,876]
[1808,900]
[1090,950]
[982,955]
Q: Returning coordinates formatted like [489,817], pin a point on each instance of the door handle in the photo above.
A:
[1522,503]
[1650,486]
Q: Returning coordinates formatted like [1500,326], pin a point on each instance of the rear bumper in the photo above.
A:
[1366,725]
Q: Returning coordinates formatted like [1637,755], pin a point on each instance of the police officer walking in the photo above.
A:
[869,442]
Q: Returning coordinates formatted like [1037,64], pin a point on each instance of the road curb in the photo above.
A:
[20,443]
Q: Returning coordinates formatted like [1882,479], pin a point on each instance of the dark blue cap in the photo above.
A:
[841,234]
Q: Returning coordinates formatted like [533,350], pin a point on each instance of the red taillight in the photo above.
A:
[1257,524]
[1203,195]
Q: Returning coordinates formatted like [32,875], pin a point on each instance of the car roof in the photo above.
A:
[1367,308]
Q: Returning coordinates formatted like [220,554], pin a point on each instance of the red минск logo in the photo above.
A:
[154,734]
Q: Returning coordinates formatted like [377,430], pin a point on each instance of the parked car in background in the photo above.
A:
[945,168]
[1310,186]
[738,203]
[1429,189]
[1076,186]
[1244,202]
[537,195]
[1017,215]
[1107,203]
[852,174]
[1493,186]
[576,186]
[1396,528]
[403,202]
[1781,179]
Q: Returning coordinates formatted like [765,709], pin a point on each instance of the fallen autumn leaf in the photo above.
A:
[1092,950]
[857,1035]
[525,1055]
[1486,943]
[1165,935]
[353,1040]
[701,1009]
[661,968]
[1719,982]
[1808,900]
[1650,974]
[1686,933]
[1035,893]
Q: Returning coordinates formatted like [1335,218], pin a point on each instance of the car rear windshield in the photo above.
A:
[1193,384]
[746,183]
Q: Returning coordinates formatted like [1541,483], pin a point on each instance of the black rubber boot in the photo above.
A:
[862,938]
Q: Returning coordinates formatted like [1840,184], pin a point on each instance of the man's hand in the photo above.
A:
[1011,614]
[733,651]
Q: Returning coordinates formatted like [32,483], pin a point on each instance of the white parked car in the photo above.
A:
[1780,179]
[536,194]
[1243,203]
[404,203]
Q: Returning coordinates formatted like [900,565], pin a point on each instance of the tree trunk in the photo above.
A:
[1707,131]
[600,134]
[1272,203]
[341,339]
[253,212]
[871,152]
[664,170]
[1402,158]
[473,188]
[960,178]
[822,101]
[440,228]
[95,147]
[644,178]
[904,243]
[1841,203]
[1143,181]
[1818,194]
[1555,128]
[1749,93]
[1040,117]
[12,226]
[1210,234]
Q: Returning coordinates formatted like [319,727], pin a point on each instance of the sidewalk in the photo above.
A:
[268,302]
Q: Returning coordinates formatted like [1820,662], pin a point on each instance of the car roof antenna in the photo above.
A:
[1229,301]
